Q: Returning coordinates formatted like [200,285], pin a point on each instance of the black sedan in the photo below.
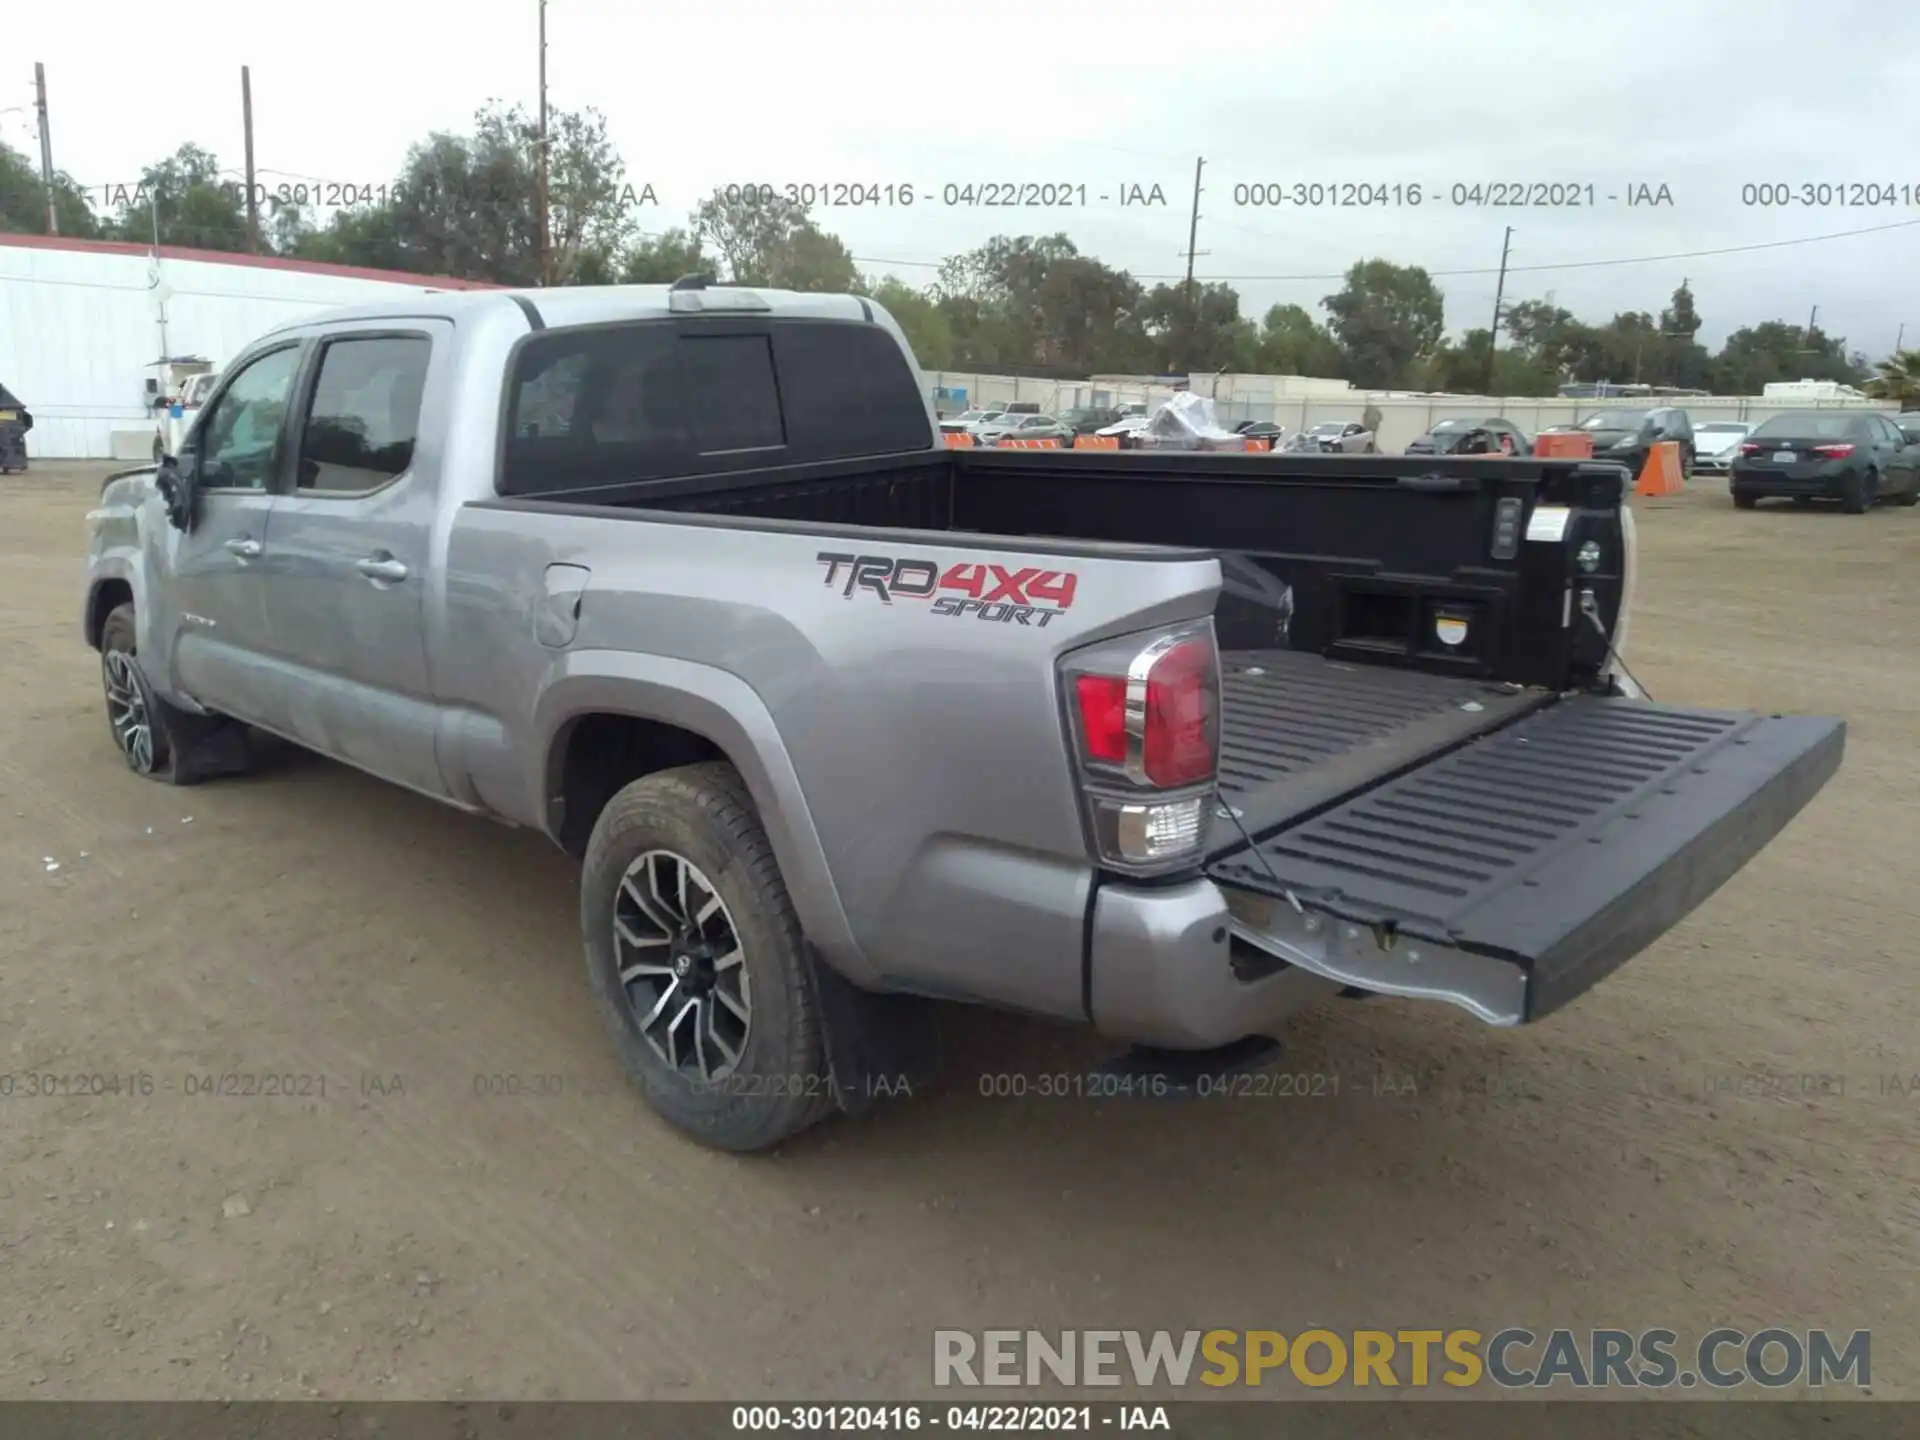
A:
[1854,457]
[1473,437]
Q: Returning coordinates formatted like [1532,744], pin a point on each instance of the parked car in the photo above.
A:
[1909,423]
[1127,430]
[816,760]
[1336,437]
[1453,437]
[1022,427]
[1628,436]
[1855,457]
[967,420]
[1089,419]
[1717,442]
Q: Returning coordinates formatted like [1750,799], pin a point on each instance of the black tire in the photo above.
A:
[180,748]
[133,711]
[1744,500]
[779,1083]
[1855,496]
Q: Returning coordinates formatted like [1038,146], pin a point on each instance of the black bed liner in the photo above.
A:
[1299,732]
[1563,843]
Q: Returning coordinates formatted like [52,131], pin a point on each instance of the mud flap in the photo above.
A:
[878,1047]
[1514,873]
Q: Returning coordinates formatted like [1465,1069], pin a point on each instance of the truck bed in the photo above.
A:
[1299,732]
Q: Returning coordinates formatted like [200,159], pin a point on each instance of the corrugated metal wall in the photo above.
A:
[80,329]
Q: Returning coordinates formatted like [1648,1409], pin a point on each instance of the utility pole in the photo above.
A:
[1193,235]
[1810,318]
[46,145]
[1901,336]
[246,122]
[1499,294]
[546,256]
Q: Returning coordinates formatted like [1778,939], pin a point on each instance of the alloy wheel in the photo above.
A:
[127,709]
[682,968]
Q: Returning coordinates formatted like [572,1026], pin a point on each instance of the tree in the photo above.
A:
[1552,341]
[23,200]
[1897,378]
[1201,331]
[1756,356]
[662,259]
[1387,318]
[196,206]
[1680,318]
[462,206]
[919,315]
[590,206]
[1292,342]
[1464,368]
[467,206]
[762,239]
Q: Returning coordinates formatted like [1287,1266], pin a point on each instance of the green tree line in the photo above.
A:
[464,205]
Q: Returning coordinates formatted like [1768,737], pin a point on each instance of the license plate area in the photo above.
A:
[1786,457]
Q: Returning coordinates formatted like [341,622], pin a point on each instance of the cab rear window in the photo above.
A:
[610,405]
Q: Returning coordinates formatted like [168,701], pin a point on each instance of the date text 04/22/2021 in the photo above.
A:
[1328,194]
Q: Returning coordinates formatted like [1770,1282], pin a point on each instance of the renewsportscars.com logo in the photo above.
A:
[1513,1358]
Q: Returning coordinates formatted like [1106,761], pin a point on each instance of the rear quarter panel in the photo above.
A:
[911,766]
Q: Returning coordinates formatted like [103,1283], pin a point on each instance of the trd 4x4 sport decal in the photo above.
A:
[994,593]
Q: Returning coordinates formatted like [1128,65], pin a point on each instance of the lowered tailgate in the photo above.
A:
[1511,874]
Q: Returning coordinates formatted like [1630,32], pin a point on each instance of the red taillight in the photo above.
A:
[1749,449]
[1183,723]
[1103,716]
[1170,734]
[1836,452]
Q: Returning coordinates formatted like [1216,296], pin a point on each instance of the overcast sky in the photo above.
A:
[1702,97]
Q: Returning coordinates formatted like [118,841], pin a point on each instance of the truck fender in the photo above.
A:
[725,710]
[113,572]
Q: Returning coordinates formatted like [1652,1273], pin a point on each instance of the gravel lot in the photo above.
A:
[1714,1136]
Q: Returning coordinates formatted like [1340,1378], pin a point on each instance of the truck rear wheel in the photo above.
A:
[698,964]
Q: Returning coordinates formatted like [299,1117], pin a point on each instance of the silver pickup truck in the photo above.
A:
[838,719]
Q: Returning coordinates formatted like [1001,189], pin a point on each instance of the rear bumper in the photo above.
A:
[1506,877]
[1163,973]
[1819,481]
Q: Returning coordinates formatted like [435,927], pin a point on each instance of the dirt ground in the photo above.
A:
[1713,1136]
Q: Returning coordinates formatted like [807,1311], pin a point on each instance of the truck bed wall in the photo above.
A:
[1354,559]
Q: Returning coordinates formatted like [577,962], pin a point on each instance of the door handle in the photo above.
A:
[245,549]
[375,567]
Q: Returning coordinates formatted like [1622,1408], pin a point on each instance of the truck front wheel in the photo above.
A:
[133,712]
[158,740]
[698,963]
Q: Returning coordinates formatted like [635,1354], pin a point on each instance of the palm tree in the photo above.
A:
[1898,379]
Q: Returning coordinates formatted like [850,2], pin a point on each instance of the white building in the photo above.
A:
[84,323]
